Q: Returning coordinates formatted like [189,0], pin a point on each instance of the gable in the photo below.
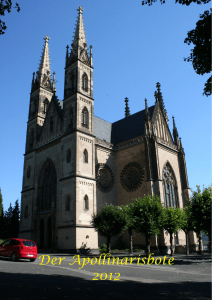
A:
[53,122]
[160,126]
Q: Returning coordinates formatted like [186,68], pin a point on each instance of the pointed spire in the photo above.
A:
[79,36]
[43,75]
[147,115]
[67,47]
[45,61]
[54,83]
[161,103]
[91,56]
[175,132]
[127,110]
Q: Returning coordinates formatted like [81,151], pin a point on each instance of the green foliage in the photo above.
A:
[187,222]
[103,248]
[201,210]
[172,220]
[183,2]
[148,215]
[110,221]
[10,222]
[6,6]
[201,38]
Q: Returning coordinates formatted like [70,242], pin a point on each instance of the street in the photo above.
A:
[64,277]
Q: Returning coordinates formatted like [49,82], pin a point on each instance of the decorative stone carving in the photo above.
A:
[132,176]
[105,178]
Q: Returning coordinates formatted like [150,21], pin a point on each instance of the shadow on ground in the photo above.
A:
[38,286]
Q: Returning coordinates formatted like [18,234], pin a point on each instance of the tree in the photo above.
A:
[6,6]
[148,217]
[187,223]
[172,222]
[201,213]
[201,38]
[108,222]
[127,209]
[15,220]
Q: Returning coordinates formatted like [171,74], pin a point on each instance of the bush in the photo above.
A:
[103,248]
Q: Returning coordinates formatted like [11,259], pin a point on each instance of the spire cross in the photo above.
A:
[158,86]
[80,10]
[47,38]
[67,47]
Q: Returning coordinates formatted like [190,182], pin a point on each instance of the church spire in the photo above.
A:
[159,98]
[127,109]
[175,132]
[43,75]
[79,46]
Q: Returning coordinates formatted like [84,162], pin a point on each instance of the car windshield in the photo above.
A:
[29,244]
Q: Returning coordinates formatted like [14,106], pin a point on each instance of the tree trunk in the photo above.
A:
[171,243]
[200,243]
[147,236]
[108,244]
[187,243]
[131,241]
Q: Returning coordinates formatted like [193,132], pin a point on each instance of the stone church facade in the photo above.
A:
[76,162]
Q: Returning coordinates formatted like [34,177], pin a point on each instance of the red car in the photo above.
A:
[19,248]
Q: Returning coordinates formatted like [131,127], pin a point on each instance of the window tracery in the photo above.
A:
[85,117]
[31,138]
[26,211]
[85,156]
[47,186]
[28,171]
[86,204]
[68,156]
[169,187]
[68,200]
[85,82]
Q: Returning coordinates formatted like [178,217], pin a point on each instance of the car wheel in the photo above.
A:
[32,259]
[14,256]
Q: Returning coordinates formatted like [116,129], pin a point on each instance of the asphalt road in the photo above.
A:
[68,278]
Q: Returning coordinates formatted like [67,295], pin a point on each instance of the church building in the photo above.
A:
[75,162]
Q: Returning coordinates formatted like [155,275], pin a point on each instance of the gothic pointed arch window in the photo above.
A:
[86,203]
[68,156]
[85,156]
[28,171]
[47,187]
[26,211]
[70,123]
[67,204]
[45,105]
[85,82]
[85,117]
[72,79]
[169,187]
[31,138]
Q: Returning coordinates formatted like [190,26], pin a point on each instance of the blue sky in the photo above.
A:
[134,47]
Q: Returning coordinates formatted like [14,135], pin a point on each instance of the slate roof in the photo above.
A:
[122,130]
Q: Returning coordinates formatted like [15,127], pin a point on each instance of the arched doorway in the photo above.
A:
[41,234]
[49,233]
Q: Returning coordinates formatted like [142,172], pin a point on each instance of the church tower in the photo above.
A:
[78,125]
[42,90]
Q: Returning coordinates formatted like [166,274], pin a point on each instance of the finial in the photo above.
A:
[158,86]
[80,10]
[174,126]
[127,110]
[146,107]
[47,38]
